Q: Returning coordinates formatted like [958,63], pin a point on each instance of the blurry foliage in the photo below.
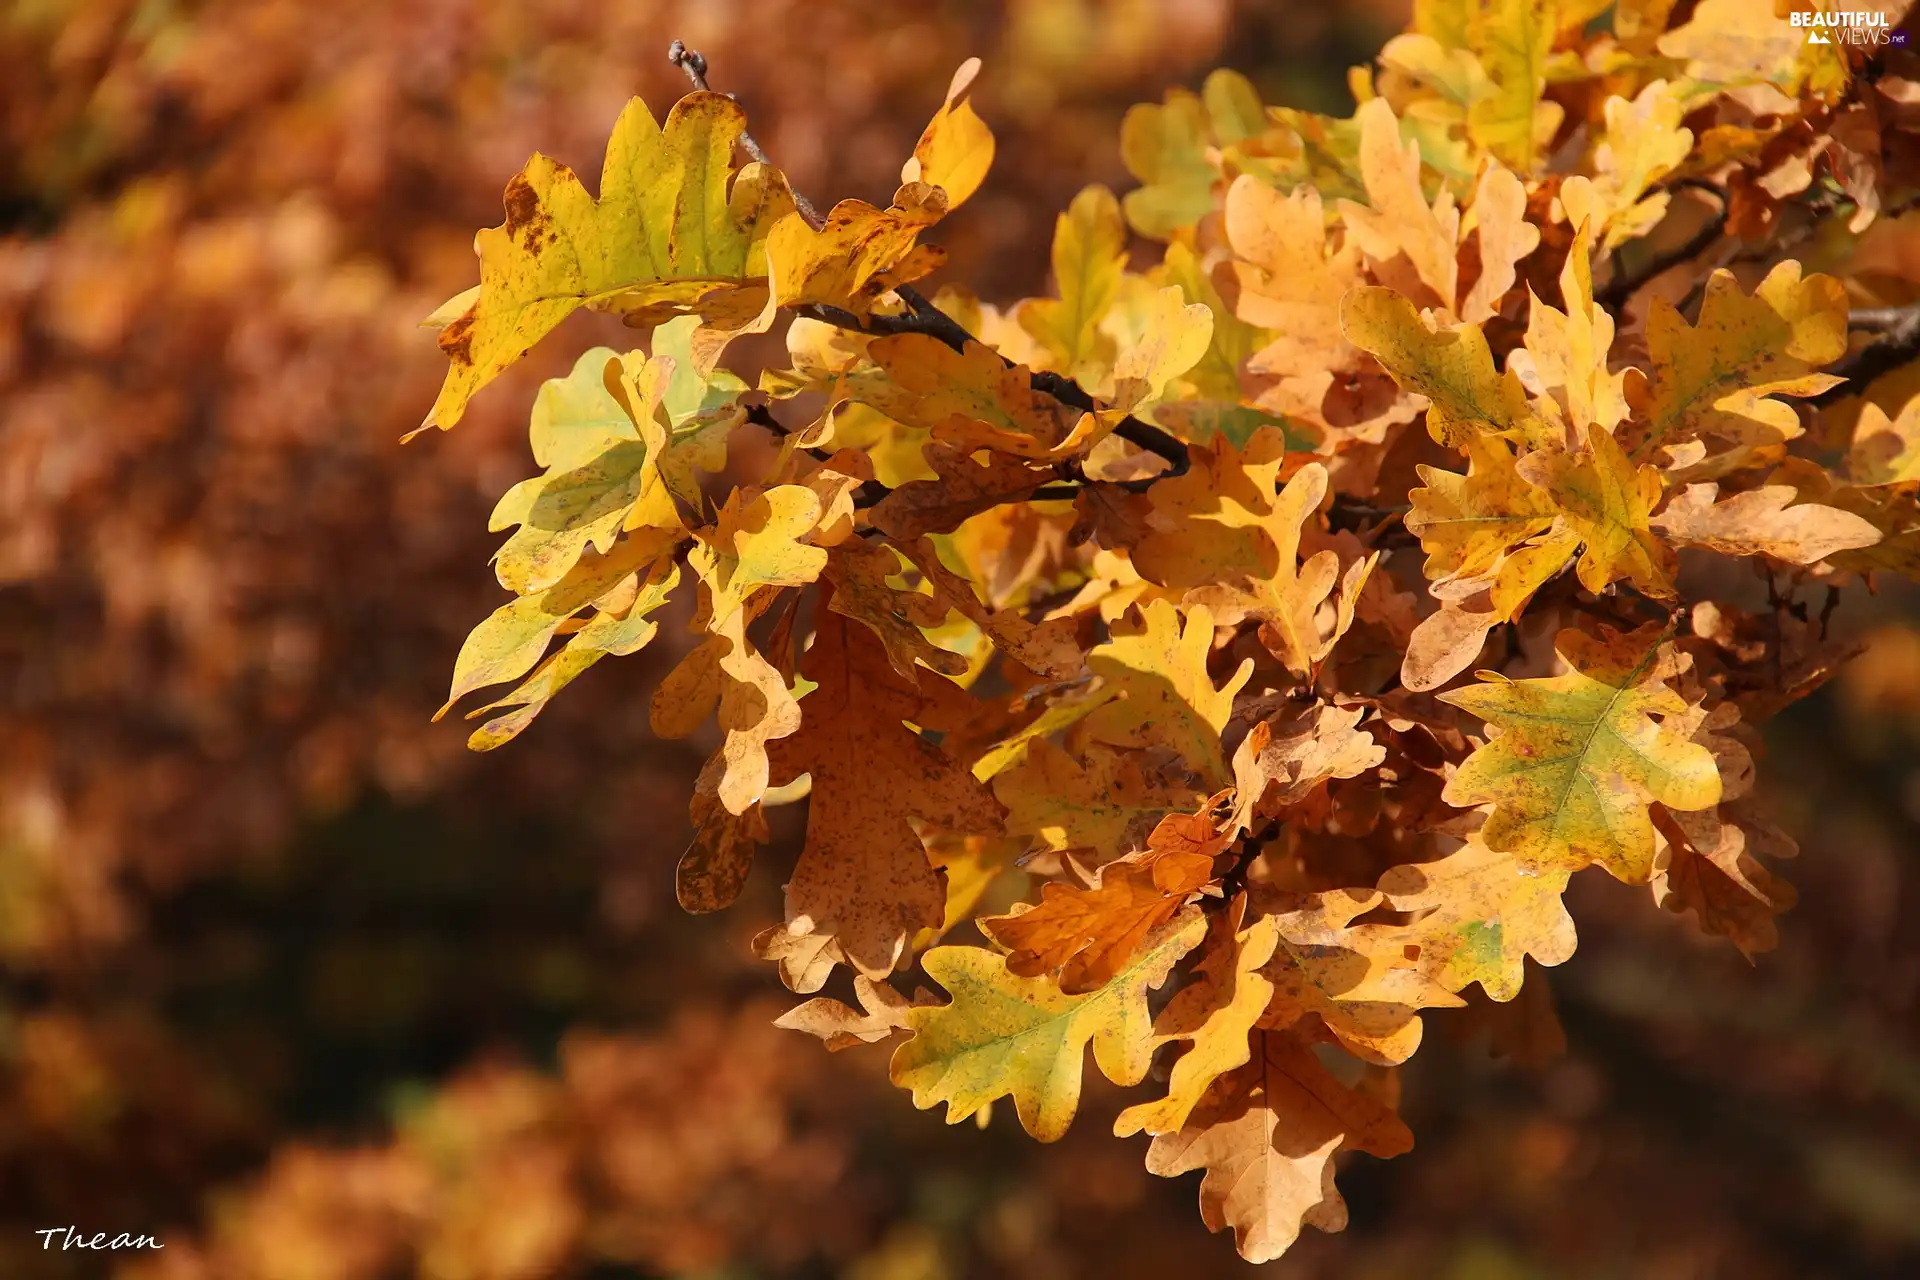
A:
[291,981]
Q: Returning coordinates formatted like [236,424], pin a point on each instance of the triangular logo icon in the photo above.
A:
[1814,37]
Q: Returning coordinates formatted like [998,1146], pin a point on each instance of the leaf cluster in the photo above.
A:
[1133,623]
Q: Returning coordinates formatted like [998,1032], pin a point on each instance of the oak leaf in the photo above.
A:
[863,875]
[725,673]
[714,869]
[899,616]
[1581,757]
[1504,237]
[599,435]
[1484,913]
[1715,380]
[663,236]
[1089,258]
[1644,142]
[1214,1013]
[1285,756]
[1284,279]
[1167,697]
[1608,503]
[1325,971]
[1006,1035]
[1564,359]
[1088,806]
[1397,218]
[1513,39]
[1885,450]
[1760,522]
[956,148]
[1082,937]
[860,253]
[1266,1134]
[883,1012]
[1451,366]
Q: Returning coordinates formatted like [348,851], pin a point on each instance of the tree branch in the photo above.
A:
[1898,344]
[1625,285]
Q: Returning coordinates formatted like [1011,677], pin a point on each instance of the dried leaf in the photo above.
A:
[1266,1135]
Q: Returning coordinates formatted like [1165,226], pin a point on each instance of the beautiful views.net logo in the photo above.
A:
[1848,27]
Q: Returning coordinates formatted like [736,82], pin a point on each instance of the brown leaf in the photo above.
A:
[1266,1135]
[863,876]
[1085,936]
[1759,522]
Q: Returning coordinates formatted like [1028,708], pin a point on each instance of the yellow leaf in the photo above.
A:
[1089,257]
[1164,146]
[1214,1013]
[1885,450]
[606,633]
[1285,756]
[758,541]
[755,706]
[1581,757]
[1286,281]
[860,253]
[1504,236]
[1644,142]
[1175,335]
[956,149]
[972,865]
[1233,342]
[1714,379]
[1467,524]
[1607,502]
[664,236]
[1513,38]
[1266,1134]
[1168,699]
[1397,218]
[1451,366]
[885,1011]
[1484,914]
[970,397]
[1759,522]
[1737,42]
[602,454]
[1566,352]
[508,644]
[1003,1035]
[1369,1001]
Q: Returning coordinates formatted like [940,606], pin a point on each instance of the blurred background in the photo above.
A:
[292,982]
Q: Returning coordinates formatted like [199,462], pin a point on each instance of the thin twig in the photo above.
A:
[690,61]
[1878,319]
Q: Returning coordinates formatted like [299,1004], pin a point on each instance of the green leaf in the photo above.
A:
[1007,1035]
[1582,757]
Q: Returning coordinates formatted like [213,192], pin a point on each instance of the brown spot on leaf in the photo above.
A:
[457,339]
[527,222]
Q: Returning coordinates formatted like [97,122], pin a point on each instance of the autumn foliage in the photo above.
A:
[1338,560]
